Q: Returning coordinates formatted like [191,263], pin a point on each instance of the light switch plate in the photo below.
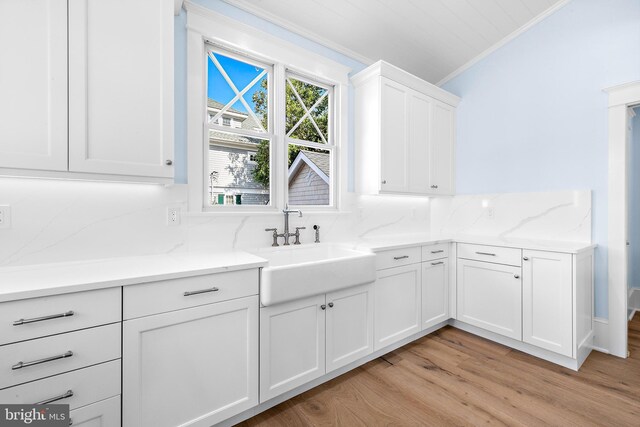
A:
[5,216]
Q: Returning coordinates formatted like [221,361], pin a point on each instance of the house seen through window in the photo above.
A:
[241,137]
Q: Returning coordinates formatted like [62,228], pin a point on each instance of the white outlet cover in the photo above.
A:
[173,216]
[5,216]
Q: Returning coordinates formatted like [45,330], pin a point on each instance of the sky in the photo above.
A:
[240,73]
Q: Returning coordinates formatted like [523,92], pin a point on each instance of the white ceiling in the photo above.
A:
[433,39]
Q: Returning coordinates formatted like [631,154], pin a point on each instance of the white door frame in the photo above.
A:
[620,98]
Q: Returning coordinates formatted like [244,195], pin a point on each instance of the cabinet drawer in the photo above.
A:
[495,254]
[441,250]
[397,257]
[37,317]
[76,388]
[31,360]
[105,413]
[176,294]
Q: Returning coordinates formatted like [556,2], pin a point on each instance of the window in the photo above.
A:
[239,136]
[243,146]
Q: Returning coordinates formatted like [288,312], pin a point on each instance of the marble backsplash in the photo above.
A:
[557,215]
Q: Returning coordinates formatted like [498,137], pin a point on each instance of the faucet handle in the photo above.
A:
[275,235]
[301,228]
[270,229]
[297,235]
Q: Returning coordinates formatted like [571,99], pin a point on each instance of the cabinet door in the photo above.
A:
[394,136]
[33,84]
[418,152]
[490,297]
[547,301]
[292,345]
[441,149]
[196,366]
[105,413]
[349,325]
[397,304]
[121,87]
[435,292]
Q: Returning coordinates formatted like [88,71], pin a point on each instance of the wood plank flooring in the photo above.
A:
[454,378]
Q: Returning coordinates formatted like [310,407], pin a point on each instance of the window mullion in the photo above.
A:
[280,149]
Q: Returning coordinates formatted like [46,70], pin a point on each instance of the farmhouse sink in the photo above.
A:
[296,272]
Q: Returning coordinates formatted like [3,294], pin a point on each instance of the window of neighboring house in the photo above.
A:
[310,141]
[241,87]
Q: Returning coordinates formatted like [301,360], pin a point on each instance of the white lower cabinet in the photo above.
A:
[304,339]
[489,296]
[547,315]
[397,304]
[105,413]
[196,366]
[435,292]
[349,326]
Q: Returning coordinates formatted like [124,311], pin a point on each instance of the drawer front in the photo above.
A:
[105,413]
[37,317]
[176,294]
[397,257]
[31,360]
[495,254]
[431,252]
[75,388]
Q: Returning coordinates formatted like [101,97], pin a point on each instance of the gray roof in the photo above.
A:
[321,160]
[248,123]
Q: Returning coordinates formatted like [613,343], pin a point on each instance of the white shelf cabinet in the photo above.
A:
[303,339]
[398,304]
[121,87]
[196,366]
[405,133]
[547,306]
[490,297]
[33,84]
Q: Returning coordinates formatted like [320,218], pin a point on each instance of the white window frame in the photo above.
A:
[205,26]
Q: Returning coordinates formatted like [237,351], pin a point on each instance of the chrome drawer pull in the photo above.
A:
[437,252]
[66,395]
[485,253]
[40,319]
[21,365]
[201,291]
[437,263]
[400,257]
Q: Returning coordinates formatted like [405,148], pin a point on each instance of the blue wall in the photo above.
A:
[634,202]
[533,116]
[180,52]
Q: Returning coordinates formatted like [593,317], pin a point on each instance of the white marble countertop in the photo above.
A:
[398,242]
[59,278]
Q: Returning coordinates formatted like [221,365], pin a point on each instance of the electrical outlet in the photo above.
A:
[173,216]
[5,216]
[490,212]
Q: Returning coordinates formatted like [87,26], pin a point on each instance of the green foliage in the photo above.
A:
[306,131]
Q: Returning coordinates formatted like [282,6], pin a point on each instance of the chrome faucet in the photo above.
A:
[286,211]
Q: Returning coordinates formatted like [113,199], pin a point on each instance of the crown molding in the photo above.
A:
[301,31]
[553,9]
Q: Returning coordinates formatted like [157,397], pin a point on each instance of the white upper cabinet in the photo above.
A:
[121,87]
[33,84]
[87,89]
[405,133]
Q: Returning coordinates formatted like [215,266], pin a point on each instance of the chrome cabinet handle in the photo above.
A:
[400,257]
[485,253]
[330,305]
[516,276]
[322,307]
[40,319]
[168,162]
[526,258]
[437,252]
[384,181]
[21,365]
[437,263]
[201,291]
[434,186]
[66,395]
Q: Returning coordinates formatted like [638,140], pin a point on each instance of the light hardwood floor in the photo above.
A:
[454,378]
